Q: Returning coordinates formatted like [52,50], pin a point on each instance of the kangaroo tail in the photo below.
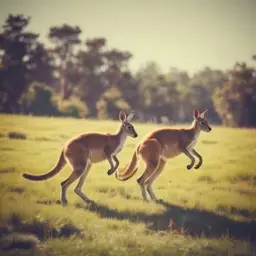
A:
[130,170]
[60,164]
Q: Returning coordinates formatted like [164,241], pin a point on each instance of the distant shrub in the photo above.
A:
[101,109]
[37,100]
[17,135]
[72,107]
[113,107]
[110,108]
[40,100]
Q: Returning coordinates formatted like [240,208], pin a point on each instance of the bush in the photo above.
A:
[40,100]
[37,100]
[101,109]
[72,107]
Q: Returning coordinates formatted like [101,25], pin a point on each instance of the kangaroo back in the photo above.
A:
[130,170]
[60,164]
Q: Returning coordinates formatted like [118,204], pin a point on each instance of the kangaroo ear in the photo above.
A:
[122,116]
[130,117]
[196,113]
[204,114]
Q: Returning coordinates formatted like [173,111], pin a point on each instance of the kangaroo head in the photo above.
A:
[127,127]
[201,122]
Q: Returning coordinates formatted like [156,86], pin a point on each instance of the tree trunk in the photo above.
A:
[64,89]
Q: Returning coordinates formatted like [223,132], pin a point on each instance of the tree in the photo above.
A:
[201,88]
[91,64]
[129,88]
[181,79]
[21,59]
[100,70]
[236,100]
[65,38]
[119,76]
[158,95]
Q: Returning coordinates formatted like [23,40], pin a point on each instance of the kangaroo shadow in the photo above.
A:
[191,221]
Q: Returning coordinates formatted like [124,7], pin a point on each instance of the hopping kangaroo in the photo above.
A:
[84,150]
[163,144]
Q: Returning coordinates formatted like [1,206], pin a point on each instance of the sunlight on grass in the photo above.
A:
[209,208]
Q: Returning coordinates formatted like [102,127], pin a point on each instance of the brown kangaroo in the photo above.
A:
[163,144]
[84,150]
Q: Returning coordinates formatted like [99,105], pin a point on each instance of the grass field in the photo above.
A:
[210,211]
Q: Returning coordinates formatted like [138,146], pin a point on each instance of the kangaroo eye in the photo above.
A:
[129,128]
[202,123]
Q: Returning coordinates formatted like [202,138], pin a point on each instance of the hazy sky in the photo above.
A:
[187,34]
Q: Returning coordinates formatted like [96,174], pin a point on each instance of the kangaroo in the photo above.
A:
[84,150]
[161,145]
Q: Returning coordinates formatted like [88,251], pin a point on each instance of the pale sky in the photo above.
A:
[187,34]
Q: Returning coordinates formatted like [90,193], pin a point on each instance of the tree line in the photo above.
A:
[72,77]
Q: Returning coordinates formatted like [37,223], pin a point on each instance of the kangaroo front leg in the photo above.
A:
[112,167]
[110,160]
[117,162]
[195,153]
[188,154]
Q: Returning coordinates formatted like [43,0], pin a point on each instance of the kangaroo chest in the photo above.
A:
[193,141]
[120,145]
[118,148]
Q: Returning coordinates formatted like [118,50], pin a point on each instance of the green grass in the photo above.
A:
[212,210]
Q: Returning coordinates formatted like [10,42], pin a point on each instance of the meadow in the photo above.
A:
[210,211]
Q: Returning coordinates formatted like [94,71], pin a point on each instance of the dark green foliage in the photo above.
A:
[22,56]
[65,38]
[72,107]
[82,73]
[236,100]
[38,101]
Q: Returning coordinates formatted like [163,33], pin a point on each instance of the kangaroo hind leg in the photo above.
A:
[153,177]
[78,163]
[78,188]
[150,153]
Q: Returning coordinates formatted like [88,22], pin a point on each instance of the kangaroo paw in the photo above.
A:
[64,202]
[197,166]
[158,201]
[111,171]
[189,166]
